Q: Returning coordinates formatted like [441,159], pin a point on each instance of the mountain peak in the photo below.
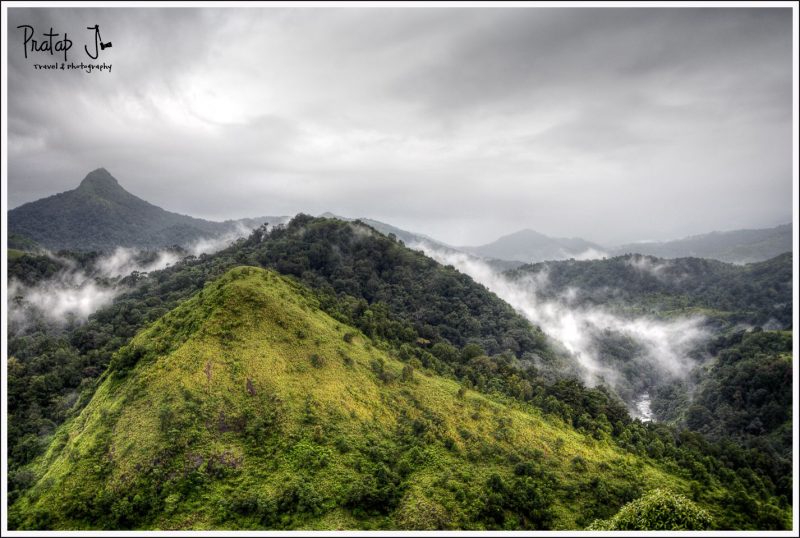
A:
[526,232]
[529,246]
[101,215]
[329,215]
[99,181]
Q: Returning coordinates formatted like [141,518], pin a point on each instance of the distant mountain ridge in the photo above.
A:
[530,246]
[100,215]
[736,246]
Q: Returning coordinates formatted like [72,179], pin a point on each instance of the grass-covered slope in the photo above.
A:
[362,278]
[248,407]
[14,254]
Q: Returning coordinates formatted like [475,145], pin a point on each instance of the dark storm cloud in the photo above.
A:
[612,124]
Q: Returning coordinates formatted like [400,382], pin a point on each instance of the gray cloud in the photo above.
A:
[611,124]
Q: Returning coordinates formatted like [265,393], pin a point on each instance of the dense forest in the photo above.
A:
[757,294]
[548,456]
[740,395]
[428,316]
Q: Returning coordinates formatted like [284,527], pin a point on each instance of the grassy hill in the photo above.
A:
[362,278]
[249,407]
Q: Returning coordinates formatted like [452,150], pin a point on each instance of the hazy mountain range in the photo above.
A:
[737,246]
[530,246]
[100,215]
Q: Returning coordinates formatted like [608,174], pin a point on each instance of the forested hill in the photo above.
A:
[756,294]
[381,286]
[362,277]
[101,215]
[743,393]
[249,401]
[392,303]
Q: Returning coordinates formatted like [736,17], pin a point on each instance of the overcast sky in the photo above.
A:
[614,125]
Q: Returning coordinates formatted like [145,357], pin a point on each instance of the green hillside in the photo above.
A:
[743,394]
[249,407]
[361,277]
[22,243]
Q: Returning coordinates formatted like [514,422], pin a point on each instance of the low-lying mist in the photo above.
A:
[125,261]
[210,245]
[655,351]
[76,292]
[70,296]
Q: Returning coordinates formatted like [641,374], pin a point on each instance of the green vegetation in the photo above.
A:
[216,416]
[372,282]
[659,510]
[635,286]
[740,388]
[406,323]
[20,242]
[217,405]
[743,395]
[30,269]
[756,294]
[389,291]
